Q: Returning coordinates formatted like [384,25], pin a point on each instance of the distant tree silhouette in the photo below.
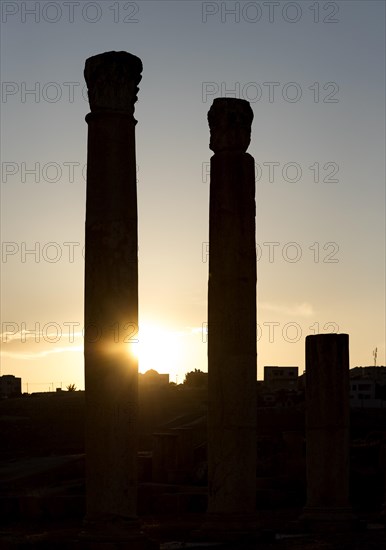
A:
[71,387]
[196,379]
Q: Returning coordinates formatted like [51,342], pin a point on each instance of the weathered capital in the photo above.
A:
[230,122]
[112,80]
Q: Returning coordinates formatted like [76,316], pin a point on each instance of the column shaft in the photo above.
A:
[232,318]
[327,427]
[111,291]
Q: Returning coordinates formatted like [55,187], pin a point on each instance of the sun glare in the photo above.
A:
[159,348]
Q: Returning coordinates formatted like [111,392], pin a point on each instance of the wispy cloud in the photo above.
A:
[304,309]
[24,335]
[28,356]
[198,330]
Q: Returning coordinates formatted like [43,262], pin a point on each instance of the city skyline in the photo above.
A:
[317,138]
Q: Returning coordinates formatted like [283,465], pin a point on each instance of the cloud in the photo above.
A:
[19,339]
[22,335]
[28,356]
[304,309]
[199,330]
[23,344]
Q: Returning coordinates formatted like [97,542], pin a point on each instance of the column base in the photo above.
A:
[238,528]
[316,518]
[382,515]
[113,545]
[115,534]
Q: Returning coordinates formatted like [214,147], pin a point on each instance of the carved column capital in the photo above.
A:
[112,80]
[230,121]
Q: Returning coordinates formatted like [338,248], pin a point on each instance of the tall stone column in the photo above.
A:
[327,430]
[232,358]
[382,458]
[111,296]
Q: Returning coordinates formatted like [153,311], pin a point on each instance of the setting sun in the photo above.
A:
[159,348]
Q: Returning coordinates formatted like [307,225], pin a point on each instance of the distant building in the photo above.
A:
[368,387]
[375,373]
[152,378]
[281,377]
[10,386]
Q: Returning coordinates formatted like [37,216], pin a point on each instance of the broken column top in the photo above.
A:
[112,80]
[328,337]
[230,121]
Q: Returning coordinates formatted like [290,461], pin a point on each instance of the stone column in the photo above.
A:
[232,358]
[383,466]
[327,430]
[165,448]
[111,296]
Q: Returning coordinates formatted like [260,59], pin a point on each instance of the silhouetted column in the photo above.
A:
[327,429]
[232,362]
[111,295]
[382,459]
[165,448]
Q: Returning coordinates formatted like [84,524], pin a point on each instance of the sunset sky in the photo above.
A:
[314,73]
